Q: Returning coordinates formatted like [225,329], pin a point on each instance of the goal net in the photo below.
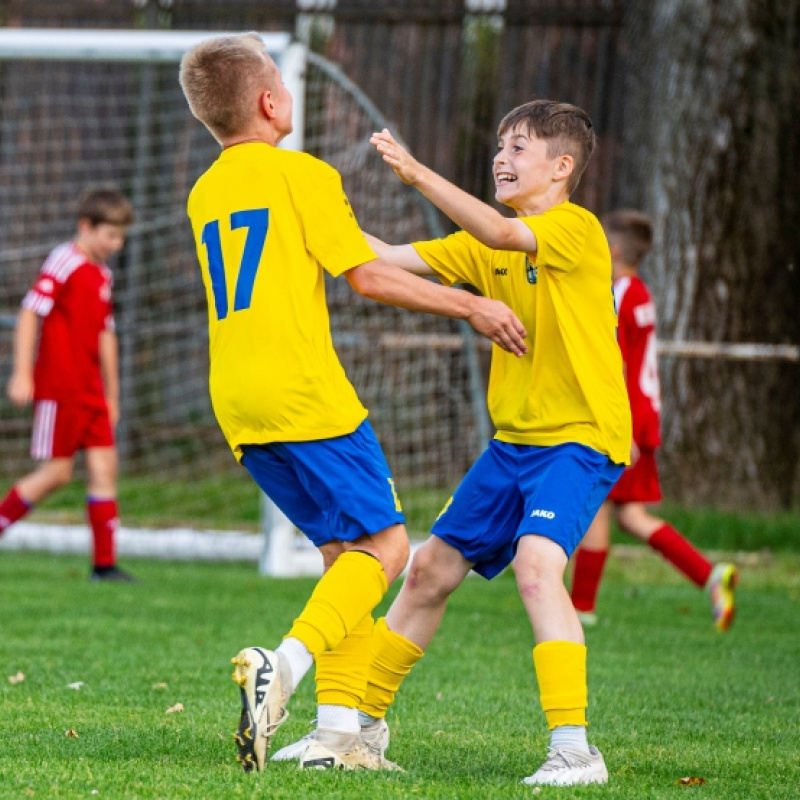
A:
[81,108]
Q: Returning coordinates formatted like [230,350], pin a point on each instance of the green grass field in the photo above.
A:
[670,698]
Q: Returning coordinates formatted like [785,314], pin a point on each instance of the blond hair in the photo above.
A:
[631,231]
[567,130]
[222,79]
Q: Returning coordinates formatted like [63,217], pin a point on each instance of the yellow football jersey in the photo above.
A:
[267,222]
[569,387]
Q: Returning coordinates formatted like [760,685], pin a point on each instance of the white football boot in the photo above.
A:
[264,680]
[330,749]
[570,766]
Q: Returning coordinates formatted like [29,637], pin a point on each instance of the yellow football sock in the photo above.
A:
[344,595]
[561,672]
[342,672]
[393,656]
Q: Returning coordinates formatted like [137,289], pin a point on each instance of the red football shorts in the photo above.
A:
[62,429]
[639,483]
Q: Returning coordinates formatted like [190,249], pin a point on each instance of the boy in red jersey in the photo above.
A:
[72,379]
[630,237]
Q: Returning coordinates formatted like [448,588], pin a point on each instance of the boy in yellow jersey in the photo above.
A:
[267,222]
[561,413]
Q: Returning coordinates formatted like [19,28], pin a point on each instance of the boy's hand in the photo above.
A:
[496,321]
[20,389]
[405,165]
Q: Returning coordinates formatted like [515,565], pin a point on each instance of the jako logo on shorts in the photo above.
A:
[540,512]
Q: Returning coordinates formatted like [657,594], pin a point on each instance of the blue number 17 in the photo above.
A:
[256,220]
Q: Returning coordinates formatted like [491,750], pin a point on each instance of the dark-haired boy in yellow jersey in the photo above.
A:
[561,413]
[267,224]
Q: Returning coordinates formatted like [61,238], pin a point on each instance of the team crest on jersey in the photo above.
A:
[531,272]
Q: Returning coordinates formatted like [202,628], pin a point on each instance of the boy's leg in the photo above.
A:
[50,475]
[401,639]
[346,594]
[563,488]
[350,589]
[397,643]
[475,530]
[341,676]
[559,662]
[333,490]
[13,507]
[588,564]
[720,579]
[342,665]
[635,520]
[103,513]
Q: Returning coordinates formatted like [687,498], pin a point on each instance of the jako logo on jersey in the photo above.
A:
[500,271]
[541,512]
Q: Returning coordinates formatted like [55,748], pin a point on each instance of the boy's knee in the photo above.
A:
[636,521]
[538,564]
[396,554]
[426,577]
[389,546]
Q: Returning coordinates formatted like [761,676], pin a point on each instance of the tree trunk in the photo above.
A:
[713,154]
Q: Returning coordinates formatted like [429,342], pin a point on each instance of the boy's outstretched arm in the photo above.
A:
[400,255]
[476,217]
[395,286]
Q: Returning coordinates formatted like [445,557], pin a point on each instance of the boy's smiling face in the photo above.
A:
[522,171]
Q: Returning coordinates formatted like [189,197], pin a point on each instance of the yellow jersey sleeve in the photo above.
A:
[561,237]
[332,234]
[458,258]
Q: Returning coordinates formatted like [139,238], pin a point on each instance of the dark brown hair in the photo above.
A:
[105,204]
[565,128]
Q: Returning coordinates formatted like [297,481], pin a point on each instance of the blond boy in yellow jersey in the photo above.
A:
[561,413]
[267,224]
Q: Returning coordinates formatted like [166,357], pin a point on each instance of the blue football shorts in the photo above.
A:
[515,490]
[331,489]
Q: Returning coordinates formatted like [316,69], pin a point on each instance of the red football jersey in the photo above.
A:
[72,295]
[637,340]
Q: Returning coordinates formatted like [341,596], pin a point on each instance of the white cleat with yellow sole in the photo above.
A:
[264,681]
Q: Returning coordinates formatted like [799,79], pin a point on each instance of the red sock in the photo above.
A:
[12,508]
[681,554]
[103,517]
[586,575]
